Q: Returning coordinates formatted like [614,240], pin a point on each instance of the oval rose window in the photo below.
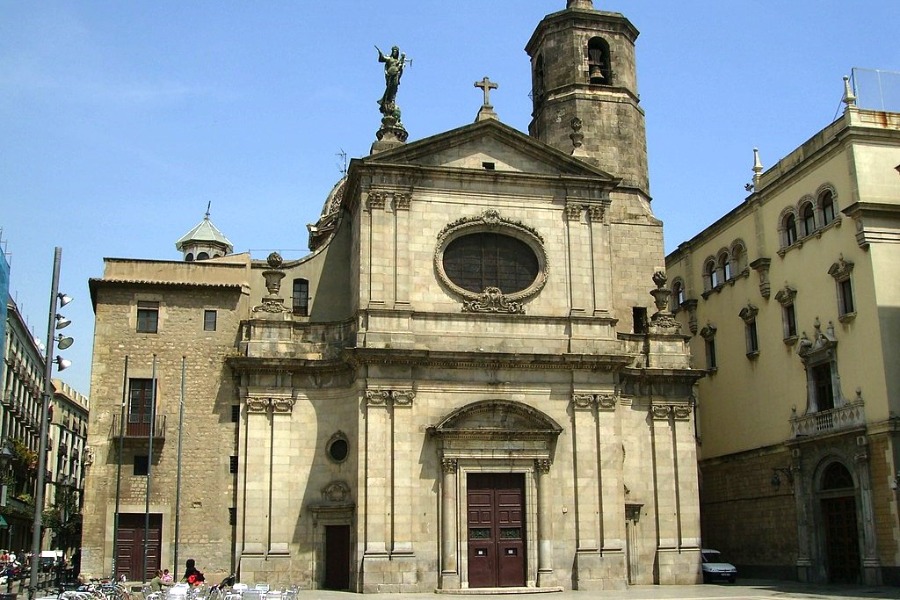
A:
[478,261]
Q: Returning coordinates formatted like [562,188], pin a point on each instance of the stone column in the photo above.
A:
[580,292]
[256,523]
[544,524]
[601,265]
[612,493]
[377,472]
[449,513]
[403,460]
[402,263]
[665,477]
[871,563]
[688,482]
[588,528]
[374,258]
[282,520]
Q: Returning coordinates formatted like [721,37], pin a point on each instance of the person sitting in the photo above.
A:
[192,575]
[158,583]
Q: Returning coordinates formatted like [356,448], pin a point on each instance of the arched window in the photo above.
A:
[598,61]
[808,215]
[836,477]
[189,257]
[826,203]
[202,256]
[724,266]
[710,275]
[537,83]
[678,294]
[790,229]
[738,257]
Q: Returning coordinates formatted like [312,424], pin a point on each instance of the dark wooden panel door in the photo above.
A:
[841,539]
[130,546]
[496,530]
[337,557]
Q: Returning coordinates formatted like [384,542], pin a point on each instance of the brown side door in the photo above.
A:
[130,546]
[841,539]
[337,557]
[496,529]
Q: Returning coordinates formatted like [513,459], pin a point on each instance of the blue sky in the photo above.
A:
[120,121]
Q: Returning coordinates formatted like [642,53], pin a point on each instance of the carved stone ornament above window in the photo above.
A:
[708,332]
[841,269]
[493,263]
[749,312]
[786,295]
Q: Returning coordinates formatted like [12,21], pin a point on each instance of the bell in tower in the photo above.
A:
[583,67]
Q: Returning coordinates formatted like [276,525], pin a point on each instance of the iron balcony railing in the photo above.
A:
[138,428]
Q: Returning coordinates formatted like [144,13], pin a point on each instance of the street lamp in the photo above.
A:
[54,321]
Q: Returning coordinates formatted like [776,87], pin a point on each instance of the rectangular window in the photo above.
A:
[142,465]
[147,316]
[822,387]
[301,297]
[233,464]
[140,407]
[639,314]
[232,516]
[235,413]
[789,319]
[209,320]
[752,338]
[711,354]
[845,297]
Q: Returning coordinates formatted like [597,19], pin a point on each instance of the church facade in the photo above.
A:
[472,381]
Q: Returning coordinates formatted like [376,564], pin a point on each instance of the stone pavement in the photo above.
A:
[744,590]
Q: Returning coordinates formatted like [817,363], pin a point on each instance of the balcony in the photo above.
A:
[138,431]
[849,416]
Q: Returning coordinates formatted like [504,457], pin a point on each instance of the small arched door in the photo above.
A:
[839,524]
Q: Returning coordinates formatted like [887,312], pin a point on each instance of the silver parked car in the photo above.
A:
[715,568]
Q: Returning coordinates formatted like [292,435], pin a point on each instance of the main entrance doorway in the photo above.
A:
[337,557]
[130,546]
[496,529]
[841,539]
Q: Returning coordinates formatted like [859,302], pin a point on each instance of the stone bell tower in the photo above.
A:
[584,89]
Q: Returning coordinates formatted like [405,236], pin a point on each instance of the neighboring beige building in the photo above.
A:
[472,381]
[66,462]
[793,300]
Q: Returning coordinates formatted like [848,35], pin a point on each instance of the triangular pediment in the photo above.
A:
[489,145]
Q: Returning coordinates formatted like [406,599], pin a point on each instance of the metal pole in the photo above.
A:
[178,469]
[149,469]
[42,445]
[115,552]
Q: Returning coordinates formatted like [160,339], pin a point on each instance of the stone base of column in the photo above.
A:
[679,567]
[396,574]
[594,571]
[450,581]
[871,571]
[546,578]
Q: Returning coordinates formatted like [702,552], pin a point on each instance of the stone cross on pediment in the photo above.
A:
[486,86]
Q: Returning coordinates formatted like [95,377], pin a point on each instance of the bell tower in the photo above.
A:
[584,90]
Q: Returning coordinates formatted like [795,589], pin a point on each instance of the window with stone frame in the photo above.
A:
[819,356]
[751,335]
[808,218]
[708,334]
[300,298]
[140,407]
[678,294]
[789,230]
[147,316]
[738,257]
[785,298]
[842,271]
[710,274]
[598,61]
[724,266]
[209,320]
[826,206]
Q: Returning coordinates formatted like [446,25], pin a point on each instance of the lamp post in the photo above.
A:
[54,321]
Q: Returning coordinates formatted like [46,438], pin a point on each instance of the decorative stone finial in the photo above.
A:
[588,4]
[662,320]
[577,137]
[849,97]
[757,166]
[273,302]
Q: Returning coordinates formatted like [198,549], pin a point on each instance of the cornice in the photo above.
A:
[485,360]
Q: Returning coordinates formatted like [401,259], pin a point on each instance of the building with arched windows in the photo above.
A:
[472,381]
[792,300]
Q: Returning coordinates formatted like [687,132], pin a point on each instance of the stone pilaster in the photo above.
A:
[258,452]
[579,258]
[378,473]
[584,434]
[601,266]
[545,523]
[449,540]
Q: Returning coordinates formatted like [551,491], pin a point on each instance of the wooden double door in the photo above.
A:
[133,538]
[496,529]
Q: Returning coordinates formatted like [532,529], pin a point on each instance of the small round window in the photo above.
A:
[338,448]
[478,261]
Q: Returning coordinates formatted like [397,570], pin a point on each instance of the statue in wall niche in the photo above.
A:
[394,64]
